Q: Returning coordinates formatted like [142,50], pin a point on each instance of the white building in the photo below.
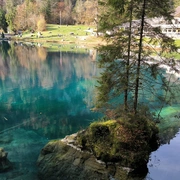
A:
[170,29]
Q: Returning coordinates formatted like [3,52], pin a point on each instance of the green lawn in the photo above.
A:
[57,33]
[177,41]
[65,37]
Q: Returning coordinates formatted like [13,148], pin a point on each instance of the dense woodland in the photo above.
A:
[34,14]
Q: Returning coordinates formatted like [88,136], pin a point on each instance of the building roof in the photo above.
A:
[177,12]
[170,26]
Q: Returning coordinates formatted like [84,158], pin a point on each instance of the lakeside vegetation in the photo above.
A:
[121,140]
[64,37]
[126,74]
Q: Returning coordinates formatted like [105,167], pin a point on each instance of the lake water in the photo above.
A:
[48,95]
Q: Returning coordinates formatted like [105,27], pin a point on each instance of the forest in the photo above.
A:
[35,14]
[135,76]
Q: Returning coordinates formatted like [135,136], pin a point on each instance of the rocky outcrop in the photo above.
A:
[5,164]
[61,160]
[117,144]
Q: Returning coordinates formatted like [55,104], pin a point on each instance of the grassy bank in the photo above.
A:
[56,35]
[66,36]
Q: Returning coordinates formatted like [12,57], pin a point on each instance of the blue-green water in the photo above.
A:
[52,96]
[48,95]
[43,96]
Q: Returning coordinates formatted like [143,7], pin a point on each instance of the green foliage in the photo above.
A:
[81,11]
[10,18]
[128,140]
[160,8]
[10,13]
[41,24]
[176,3]
[129,75]
[3,23]
[46,9]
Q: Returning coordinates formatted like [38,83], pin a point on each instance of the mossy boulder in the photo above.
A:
[127,141]
[114,149]
[62,160]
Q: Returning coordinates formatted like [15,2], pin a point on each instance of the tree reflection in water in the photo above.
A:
[48,95]
[51,93]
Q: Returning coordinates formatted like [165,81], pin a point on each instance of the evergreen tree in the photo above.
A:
[46,10]
[126,70]
[10,13]
[3,23]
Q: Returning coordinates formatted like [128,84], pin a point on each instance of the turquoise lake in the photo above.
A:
[48,95]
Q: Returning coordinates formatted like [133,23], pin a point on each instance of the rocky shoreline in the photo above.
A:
[62,160]
[107,150]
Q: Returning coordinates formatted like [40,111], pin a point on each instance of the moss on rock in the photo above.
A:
[127,141]
[117,143]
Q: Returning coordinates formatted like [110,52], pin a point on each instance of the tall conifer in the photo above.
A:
[130,45]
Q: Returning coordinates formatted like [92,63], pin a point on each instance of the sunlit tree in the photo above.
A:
[3,23]
[128,74]
[10,13]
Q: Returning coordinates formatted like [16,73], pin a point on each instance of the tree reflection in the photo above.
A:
[4,47]
[40,92]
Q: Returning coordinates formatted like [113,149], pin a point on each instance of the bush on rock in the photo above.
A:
[127,141]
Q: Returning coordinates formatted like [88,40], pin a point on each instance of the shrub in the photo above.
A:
[41,24]
[128,141]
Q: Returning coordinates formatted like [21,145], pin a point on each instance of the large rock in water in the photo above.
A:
[5,164]
[59,160]
[116,143]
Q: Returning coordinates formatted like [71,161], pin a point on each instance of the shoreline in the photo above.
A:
[86,41]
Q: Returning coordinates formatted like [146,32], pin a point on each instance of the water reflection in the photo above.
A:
[49,92]
[165,162]
[46,95]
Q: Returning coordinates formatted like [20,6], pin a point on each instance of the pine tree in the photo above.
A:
[124,59]
[3,23]
[10,13]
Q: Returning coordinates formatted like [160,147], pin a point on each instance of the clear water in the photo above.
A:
[48,95]
[164,163]
[43,96]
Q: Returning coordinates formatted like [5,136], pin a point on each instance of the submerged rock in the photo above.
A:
[5,164]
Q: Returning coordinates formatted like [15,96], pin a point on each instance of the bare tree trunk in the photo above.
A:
[139,58]
[128,59]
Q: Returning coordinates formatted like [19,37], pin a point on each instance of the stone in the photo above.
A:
[61,161]
[5,164]
[105,150]
[3,154]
